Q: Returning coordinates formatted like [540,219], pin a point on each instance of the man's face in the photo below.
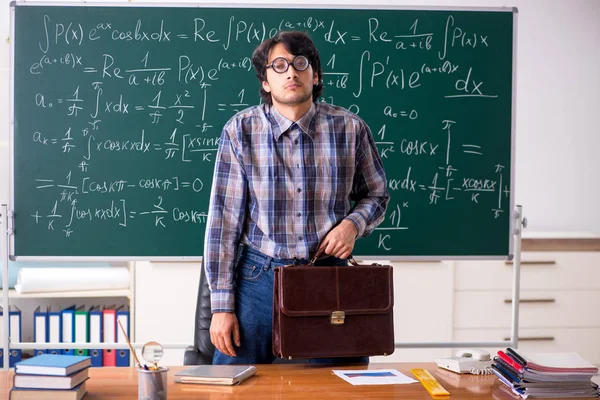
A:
[291,88]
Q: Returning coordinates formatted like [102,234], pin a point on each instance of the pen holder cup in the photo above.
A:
[152,384]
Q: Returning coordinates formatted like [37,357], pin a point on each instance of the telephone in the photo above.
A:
[478,354]
[467,361]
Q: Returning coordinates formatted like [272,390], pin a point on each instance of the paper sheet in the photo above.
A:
[373,376]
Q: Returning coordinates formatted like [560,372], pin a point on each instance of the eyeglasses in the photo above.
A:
[281,65]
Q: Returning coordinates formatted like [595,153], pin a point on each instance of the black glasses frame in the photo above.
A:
[287,64]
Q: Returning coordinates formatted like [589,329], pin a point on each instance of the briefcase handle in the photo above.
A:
[316,256]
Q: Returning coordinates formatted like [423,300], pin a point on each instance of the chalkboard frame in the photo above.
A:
[14,4]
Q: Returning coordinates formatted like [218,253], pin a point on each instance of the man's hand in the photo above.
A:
[222,326]
[339,242]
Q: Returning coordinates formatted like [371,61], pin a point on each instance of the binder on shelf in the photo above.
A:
[14,328]
[95,315]
[109,322]
[40,329]
[122,355]
[81,329]
[68,328]
[54,330]
[1,338]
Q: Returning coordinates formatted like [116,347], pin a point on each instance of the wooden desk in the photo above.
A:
[287,382]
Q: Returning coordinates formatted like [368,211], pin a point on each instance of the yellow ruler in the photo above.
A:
[430,383]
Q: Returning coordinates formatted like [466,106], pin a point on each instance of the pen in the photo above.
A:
[512,352]
[137,362]
[510,361]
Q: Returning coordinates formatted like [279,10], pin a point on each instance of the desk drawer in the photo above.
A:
[539,271]
[538,309]
[586,342]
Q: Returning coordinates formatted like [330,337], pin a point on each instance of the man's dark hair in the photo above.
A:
[298,44]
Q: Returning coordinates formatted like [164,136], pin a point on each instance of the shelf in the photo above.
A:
[87,293]
[79,345]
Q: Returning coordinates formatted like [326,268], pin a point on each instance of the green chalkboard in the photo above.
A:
[118,113]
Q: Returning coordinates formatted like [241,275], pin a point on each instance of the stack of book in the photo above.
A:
[51,376]
[550,375]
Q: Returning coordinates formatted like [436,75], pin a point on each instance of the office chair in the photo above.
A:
[202,351]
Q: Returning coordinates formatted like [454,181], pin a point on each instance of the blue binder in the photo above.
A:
[95,315]
[14,327]
[1,347]
[82,329]
[40,329]
[54,330]
[122,354]
[68,328]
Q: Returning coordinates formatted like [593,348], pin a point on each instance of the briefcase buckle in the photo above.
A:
[337,317]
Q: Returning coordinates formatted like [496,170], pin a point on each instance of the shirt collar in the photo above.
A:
[281,124]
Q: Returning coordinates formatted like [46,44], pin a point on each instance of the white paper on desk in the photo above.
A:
[373,376]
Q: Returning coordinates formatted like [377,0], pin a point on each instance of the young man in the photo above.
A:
[293,178]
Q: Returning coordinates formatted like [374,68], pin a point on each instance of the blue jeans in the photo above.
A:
[254,309]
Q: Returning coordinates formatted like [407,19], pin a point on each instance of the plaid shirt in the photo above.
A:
[280,187]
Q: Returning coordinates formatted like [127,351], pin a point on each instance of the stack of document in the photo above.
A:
[550,375]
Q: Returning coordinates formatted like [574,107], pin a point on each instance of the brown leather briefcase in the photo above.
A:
[344,311]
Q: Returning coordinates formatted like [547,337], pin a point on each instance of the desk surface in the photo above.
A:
[288,382]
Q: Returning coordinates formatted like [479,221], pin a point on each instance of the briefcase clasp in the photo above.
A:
[337,317]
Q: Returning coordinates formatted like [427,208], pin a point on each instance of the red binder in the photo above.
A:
[109,322]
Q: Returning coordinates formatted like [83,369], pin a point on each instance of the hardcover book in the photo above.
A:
[50,382]
[52,364]
[55,394]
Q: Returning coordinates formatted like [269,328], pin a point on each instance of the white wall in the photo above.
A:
[558,143]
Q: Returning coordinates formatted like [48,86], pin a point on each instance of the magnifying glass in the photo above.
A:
[152,352]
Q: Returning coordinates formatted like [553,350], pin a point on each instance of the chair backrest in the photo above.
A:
[202,341]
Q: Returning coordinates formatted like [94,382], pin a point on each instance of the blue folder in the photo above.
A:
[54,329]
[95,315]
[40,328]
[68,329]
[122,354]
[15,328]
